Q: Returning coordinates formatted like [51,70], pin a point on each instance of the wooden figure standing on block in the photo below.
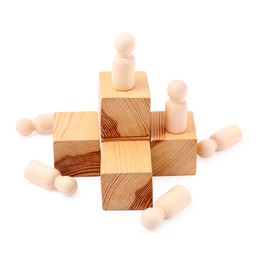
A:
[176,108]
[42,124]
[123,71]
[49,178]
[167,206]
[219,141]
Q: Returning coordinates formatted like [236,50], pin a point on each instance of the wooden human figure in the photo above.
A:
[49,178]
[219,141]
[167,206]
[42,124]
[123,69]
[176,108]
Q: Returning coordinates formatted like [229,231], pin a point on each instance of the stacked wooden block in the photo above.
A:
[126,169]
[173,154]
[132,145]
[76,143]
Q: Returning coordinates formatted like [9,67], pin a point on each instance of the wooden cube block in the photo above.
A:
[76,143]
[126,175]
[124,113]
[173,154]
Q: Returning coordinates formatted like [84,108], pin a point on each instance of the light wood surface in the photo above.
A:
[173,154]
[126,175]
[124,113]
[76,143]
[120,139]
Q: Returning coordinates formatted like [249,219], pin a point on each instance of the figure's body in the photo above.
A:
[176,108]
[123,68]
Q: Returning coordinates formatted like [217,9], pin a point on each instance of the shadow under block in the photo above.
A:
[173,154]
[124,113]
[126,175]
[76,143]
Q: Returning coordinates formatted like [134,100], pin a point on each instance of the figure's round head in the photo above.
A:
[206,148]
[124,44]
[152,218]
[177,90]
[24,126]
[66,185]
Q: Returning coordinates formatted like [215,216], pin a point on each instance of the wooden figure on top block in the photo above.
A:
[123,69]
[176,108]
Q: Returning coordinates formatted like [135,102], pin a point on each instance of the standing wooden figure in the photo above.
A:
[123,71]
[176,108]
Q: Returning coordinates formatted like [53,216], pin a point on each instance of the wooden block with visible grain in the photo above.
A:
[126,175]
[76,143]
[173,154]
[120,139]
[124,114]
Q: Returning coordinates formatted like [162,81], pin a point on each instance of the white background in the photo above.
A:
[50,56]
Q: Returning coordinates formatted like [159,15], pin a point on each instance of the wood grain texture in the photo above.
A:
[124,113]
[120,139]
[76,143]
[173,154]
[126,175]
